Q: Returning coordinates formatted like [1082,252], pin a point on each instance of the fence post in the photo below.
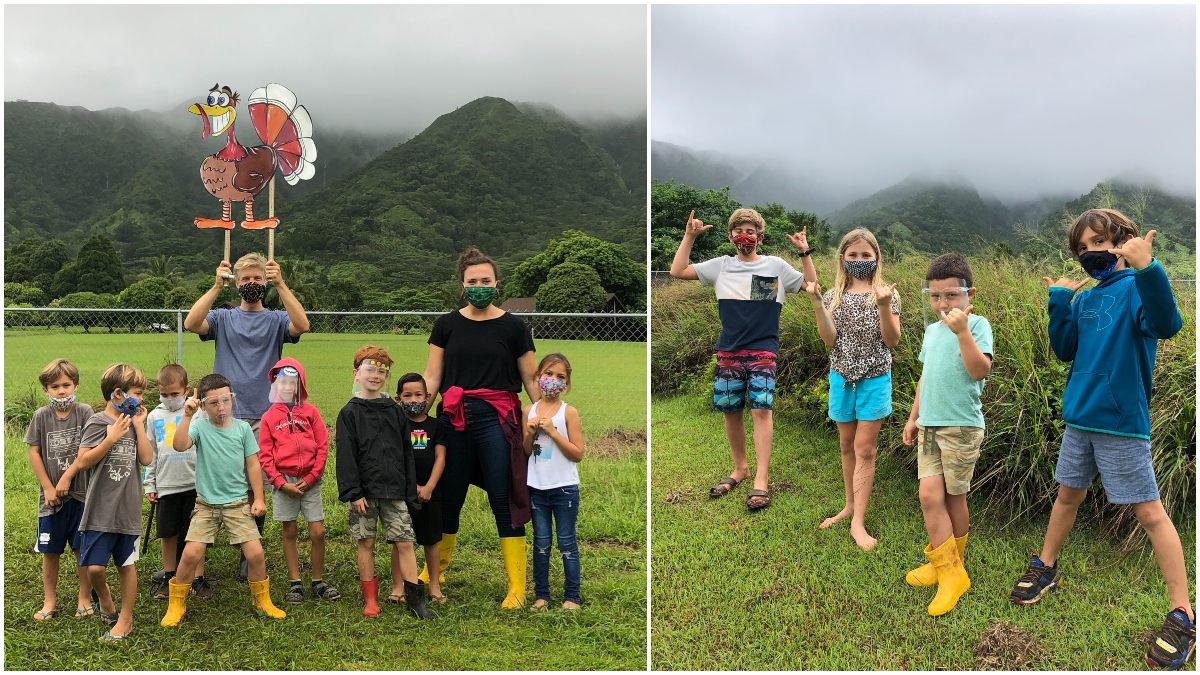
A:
[179,336]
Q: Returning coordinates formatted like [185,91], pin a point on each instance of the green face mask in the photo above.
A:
[480,296]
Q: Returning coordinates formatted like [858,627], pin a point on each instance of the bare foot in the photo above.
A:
[833,519]
[865,541]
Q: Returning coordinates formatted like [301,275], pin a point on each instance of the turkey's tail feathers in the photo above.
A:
[286,128]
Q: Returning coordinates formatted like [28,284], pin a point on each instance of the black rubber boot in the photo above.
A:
[414,597]
[244,570]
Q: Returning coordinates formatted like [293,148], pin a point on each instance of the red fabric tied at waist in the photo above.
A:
[508,409]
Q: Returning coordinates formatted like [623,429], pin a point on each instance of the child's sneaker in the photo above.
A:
[1173,645]
[1038,581]
[201,589]
[162,584]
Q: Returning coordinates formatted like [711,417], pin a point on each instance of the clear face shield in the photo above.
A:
[942,295]
[286,387]
[218,407]
[371,376]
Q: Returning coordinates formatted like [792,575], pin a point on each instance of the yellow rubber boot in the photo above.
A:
[925,575]
[260,592]
[177,605]
[445,552]
[513,550]
[952,577]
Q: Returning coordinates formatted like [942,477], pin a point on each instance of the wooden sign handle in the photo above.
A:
[271,214]
[228,277]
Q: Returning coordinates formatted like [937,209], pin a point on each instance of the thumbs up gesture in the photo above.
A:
[1136,251]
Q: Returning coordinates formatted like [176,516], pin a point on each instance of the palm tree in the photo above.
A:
[162,267]
[301,277]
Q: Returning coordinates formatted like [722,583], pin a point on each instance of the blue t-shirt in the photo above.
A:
[949,397]
[749,299]
[221,460]
[248,344]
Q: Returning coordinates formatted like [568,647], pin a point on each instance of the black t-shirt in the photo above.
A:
[481,354]
[423,437]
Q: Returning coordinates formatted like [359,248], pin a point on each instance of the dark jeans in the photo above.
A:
[561,504]
[481,445]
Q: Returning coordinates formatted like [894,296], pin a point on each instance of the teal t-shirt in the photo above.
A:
[221,460]
[949,397]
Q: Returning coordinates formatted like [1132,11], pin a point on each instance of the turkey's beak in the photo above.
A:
[216,118]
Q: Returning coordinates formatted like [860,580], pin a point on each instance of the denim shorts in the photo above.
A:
[866,400]
[1124,463]
[741,376]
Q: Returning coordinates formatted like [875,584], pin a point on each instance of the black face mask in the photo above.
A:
[1098,264]
[252,292]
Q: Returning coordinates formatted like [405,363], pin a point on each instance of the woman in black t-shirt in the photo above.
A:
[479,358]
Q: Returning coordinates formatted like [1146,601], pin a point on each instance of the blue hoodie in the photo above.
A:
[1110,336]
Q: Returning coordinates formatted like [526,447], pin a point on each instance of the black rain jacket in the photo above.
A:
[373,461]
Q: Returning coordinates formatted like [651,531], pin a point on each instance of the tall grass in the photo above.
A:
[1022,402]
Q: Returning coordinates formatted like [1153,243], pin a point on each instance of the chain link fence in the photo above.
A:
[608,352]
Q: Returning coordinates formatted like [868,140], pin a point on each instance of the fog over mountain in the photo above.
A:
[370,68]
[834,103]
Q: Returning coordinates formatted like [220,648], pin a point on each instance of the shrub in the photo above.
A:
[571,287]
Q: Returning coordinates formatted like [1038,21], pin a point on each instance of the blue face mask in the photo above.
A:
[1098,264]
[128,406]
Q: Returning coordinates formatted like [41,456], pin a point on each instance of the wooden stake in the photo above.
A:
[271,214]
[227,277]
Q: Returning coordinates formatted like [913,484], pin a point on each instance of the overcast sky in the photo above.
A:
[366,67]
[1020,100]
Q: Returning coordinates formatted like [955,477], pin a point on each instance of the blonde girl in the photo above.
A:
[854,320]
[554,446]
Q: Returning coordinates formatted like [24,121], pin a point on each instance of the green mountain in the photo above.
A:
[486,174]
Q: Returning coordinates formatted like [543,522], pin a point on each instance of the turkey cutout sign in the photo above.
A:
[238,173]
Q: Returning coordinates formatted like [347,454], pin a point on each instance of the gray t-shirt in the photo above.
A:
[248,344]
[58,439]
[114,500]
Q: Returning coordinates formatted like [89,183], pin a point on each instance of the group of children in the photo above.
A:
[1108,333]
[205,472]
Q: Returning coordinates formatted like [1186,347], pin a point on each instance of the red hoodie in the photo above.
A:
[292,442]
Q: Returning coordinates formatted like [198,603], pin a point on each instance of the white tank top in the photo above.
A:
[548,467]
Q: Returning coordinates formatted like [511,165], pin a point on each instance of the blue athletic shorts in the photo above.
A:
[99,547]
[58,529]
[1124,463]
[865,400]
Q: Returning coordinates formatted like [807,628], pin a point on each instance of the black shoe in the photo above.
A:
[1038,581]
[1175,642]
[295,594]
[244,571]
[162,584]
[414,597]
[201,589]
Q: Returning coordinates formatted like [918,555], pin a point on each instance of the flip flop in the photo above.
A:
[720,490]
[395,599]
[45,615]
[108,619]
[113,639]
[84,612]
[763,500]
[439,599]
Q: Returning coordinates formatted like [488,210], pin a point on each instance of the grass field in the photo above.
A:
[742,591]
[473,633]
[608,382]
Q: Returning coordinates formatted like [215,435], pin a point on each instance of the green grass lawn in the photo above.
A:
[224,633]
[608,381]
[742,591]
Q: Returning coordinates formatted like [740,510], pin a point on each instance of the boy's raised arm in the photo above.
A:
[681,267]
[182,440]
[1062,326]
[299,320]
[197,317]
[145,449]
[1158,317]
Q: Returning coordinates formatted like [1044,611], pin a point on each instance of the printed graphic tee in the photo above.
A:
[424,437]
[749,299]
[114,496]
[58,440]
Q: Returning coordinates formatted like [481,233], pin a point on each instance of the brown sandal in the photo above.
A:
[724,487]
[394,599]
[759,499]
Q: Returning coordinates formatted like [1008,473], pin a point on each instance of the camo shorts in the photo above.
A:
[392,513]
[950,452]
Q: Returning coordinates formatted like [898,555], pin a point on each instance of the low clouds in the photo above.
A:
[367,67]
[1020,100]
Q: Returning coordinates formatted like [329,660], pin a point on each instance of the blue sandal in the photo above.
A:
[113,639]
[45,615]
[84,612]
[108,619]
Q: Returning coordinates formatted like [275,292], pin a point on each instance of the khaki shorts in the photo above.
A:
[235,517]
[950,452]
[397,525]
